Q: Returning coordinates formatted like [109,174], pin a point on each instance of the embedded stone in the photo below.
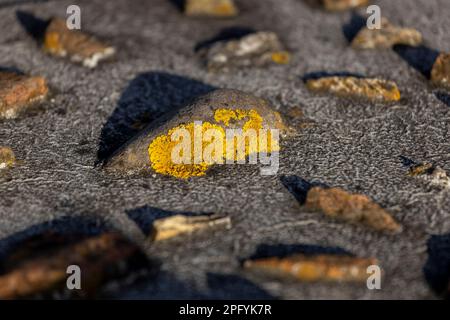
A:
[340,5]
[211,8]
[177,225]
[440,73]
[152,149]
[386,37]
[431,174]
[38,267]
[18,93]
[311,268]
[254,50]
[371,89]
[76,45]
[7,157]
[354,208]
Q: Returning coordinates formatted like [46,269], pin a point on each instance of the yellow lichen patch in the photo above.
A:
[206,147]
[160,152]
[281,57]
[226,115]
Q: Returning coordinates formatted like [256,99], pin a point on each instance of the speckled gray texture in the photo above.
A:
[353,145]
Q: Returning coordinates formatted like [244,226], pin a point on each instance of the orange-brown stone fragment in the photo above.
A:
[386,37]
[354,208]
[434,175]
[340,5]
[19,92]
[331,268]
[170,227]
[39,266]
[74,44]
[212,8]
[7,157]
[371,89]
[440,74]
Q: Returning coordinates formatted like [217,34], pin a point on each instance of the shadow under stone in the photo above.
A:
[231,33]
[147,97]
[11,69]
[68,228]
[33,25]
[47,246]
[437,267]
[323,74]
[229,286]
[299,187]
[351,29]
[284,250]
[443,97]
[420,58]
[407,162]
[179,4]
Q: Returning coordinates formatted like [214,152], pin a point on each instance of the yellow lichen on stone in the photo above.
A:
[160,152]
[161,148]
[281,57]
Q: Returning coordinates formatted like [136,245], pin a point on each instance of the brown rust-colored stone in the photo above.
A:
[39,266]
[20,92]
[354,208]
[254,50]
[329,268]
[174,226]
[75,45]
[211,8]
[440,73]
[371,89]
[386,37]
[7,157]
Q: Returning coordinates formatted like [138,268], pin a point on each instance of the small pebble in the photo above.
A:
[18,93]
[254,50]
[76,45]
[371,89]
[353,208]
[311,268]
[440,73]
[177,225]
[386,37]
[7,157]
[211,8]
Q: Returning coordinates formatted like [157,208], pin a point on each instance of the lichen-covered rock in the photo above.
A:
[219,110]
[254,50]
[386,37]
[353,208]
[38,267]
[174,226]
[371,89]
[433,175]
[440,73]
[211,8]
[328,268]
[75,45]
[7,157]
[19,92]
[339,5]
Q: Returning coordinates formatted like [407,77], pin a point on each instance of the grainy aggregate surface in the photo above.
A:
[359,146]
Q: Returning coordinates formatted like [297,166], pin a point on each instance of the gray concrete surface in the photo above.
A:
[354,145]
